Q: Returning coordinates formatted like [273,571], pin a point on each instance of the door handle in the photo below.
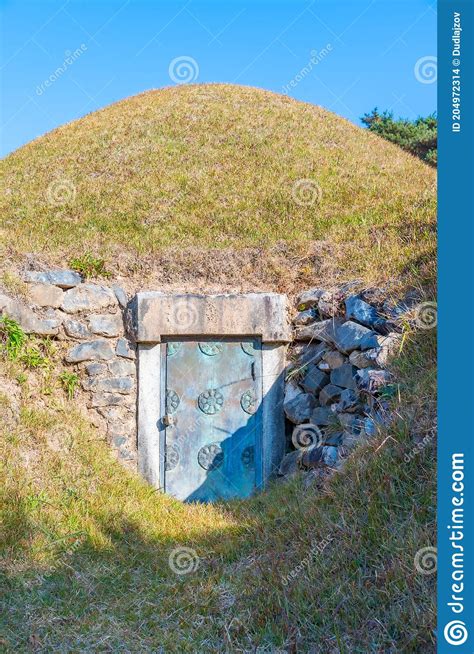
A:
[169,420]
[252,370]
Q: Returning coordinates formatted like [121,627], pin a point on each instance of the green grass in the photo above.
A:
[69,382]
[86,546]
[12,337]
[171,174]
[89,266]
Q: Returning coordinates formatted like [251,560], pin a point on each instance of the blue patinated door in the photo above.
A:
[212,406]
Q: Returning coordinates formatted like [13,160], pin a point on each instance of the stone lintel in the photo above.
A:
[182,314]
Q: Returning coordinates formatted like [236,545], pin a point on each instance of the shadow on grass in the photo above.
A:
[330,572]
[295,569]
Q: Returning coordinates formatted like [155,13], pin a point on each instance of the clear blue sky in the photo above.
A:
[106,50]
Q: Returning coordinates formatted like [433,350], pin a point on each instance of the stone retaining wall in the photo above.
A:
[337,386]
[93,318]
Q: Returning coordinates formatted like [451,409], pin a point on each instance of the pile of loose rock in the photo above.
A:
[92,316]
[338,387]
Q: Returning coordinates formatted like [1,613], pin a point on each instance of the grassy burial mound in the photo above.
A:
[153,182]
[283,194]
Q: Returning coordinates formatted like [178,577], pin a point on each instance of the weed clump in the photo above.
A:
[33,353]
[89,266]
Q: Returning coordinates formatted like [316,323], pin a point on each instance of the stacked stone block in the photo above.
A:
[92,317]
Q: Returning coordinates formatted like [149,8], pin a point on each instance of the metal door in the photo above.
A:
[212,422]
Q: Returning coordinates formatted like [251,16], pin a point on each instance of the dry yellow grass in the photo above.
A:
[169,175]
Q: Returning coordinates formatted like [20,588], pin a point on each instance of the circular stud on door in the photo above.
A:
[248,401]
[172,348]
[248,347]
[211,401]
[172,401]
[211,349]
[248,457]
[171,457]
[210,456]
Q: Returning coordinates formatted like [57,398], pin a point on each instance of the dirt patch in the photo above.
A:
[284,268]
